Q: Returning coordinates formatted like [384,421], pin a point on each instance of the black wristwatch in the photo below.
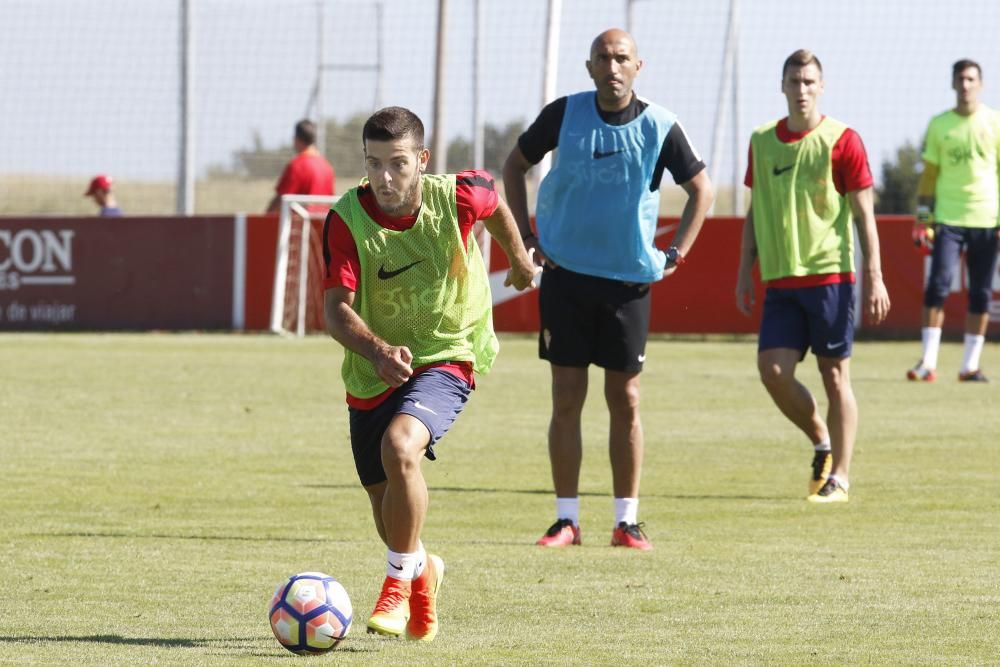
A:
[674,256]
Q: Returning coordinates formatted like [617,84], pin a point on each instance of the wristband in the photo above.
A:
[924,215]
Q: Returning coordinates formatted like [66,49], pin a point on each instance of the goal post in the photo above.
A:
[297,297]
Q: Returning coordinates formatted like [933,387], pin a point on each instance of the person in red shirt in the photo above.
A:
[308,173]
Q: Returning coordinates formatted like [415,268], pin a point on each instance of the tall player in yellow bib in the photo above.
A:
[809,175]
[958,195]
[407,295]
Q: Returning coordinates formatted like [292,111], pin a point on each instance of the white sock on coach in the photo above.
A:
[568,508]
[627,510]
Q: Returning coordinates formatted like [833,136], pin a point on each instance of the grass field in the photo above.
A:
[155,489]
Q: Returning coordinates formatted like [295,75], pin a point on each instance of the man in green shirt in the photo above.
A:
[957,209]
[809,176]
[407,295]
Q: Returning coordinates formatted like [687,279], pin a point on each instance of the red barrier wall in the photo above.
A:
[177,273]
[116,274]
[699,296]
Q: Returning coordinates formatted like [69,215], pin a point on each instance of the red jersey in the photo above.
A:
[850,173]
[308,173]
[476,198]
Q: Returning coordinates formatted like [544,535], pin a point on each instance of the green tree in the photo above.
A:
[898,193]
[497,144]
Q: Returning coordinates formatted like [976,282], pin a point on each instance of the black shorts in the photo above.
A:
[589,320]
[435,397]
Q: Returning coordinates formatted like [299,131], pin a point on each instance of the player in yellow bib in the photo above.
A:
[958,195]
[407,295]
[809,174]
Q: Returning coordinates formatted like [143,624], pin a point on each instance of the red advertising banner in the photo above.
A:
[116,273]
[700,296]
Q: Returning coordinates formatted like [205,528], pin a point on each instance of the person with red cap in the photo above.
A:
[100,192]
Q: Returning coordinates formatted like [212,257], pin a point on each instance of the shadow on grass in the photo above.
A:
[207,538]
[118,639]
[589,494]
[159,642]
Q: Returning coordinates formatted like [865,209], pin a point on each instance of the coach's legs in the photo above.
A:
[625,438]
[777,372]
[569,391]
[842,415]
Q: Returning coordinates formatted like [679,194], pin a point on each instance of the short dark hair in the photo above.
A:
[305,131]
[963,65]
[801,58]
[392,123]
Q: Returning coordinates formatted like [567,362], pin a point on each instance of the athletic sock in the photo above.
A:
[421,562]
[400,565]
[972,352]
[931,337]
[841,481]
[627,510]
[568,508]
[822,446]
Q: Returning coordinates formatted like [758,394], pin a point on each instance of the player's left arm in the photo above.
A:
[876,296]
[477,200]
[502,226]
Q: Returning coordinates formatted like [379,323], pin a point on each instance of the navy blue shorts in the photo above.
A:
[435,397]
[980,244]
[590,320]
[802,317]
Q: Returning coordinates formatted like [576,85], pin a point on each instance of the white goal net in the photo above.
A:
[297,300]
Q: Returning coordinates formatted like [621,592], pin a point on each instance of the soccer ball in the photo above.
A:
[310,613]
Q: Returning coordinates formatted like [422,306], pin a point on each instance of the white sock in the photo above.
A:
[822,445]
[931,337]
[418,570]
[627,510]
[973,349]
[568,508]
[401,566]
[840,480]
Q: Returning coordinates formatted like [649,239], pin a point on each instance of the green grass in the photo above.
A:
[155,488]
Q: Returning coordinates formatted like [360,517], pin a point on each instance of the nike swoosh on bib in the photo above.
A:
[385,275]
[600,154]
[779,172]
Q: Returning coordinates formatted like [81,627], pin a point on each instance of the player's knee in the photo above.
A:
[773,375]
[979,300]
[400,452]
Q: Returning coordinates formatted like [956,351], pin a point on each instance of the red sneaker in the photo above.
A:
[630,535]
[392,609]
[560,534]
[423,623]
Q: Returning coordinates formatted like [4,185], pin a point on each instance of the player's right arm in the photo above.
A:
[926,188]
[391,362]
[744,276]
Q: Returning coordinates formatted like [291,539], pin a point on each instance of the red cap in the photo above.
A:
[99,182]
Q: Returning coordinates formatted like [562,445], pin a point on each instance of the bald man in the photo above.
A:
[596,218]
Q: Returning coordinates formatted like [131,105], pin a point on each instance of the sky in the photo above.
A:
[92,85]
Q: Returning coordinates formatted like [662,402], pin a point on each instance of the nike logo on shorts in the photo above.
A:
[642,358]
[419,406]
[832,346]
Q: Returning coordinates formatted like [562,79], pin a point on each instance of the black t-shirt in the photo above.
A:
[676,155]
